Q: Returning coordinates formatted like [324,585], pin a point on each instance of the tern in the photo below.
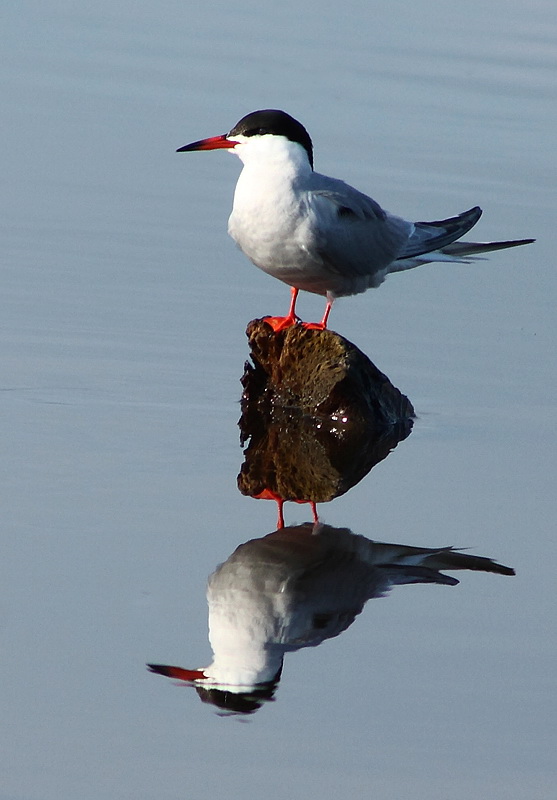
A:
[316,233]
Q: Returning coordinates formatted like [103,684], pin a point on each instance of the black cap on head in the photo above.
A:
[269,120]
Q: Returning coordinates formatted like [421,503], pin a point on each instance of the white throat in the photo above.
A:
[271,152]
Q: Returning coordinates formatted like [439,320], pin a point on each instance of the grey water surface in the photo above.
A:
[123,306]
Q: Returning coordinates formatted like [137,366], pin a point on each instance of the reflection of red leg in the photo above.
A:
[268,494]
[280,323]
[314,511]
[313,507]
[280,517]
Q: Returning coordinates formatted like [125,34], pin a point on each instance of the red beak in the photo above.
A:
[213,143]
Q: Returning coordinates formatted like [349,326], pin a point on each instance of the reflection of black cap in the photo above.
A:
[239,702]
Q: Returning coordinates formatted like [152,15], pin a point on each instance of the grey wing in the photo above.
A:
[429,236]
[355,238]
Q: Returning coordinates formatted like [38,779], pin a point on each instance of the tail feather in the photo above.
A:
[403,574]
[433,240]
[455,559]
[392,556]
[460,249]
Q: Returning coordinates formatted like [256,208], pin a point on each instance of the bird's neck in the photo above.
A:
[271,177]
[274,159]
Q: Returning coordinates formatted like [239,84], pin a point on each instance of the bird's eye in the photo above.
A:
[256,132]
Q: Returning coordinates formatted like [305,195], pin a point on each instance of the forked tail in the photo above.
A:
[440,241]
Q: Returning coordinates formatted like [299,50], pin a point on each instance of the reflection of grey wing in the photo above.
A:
[352,233]
[403,575]
[330,592]
[389,556]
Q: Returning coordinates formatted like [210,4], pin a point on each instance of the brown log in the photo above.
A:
[321,372]
[317,412]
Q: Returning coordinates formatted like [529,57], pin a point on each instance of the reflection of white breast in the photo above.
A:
[288,590]
[243,634]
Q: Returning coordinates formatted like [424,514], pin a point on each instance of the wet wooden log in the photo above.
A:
[321,373]
[317,413]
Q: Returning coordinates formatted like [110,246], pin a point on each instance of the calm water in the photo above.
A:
[123,306]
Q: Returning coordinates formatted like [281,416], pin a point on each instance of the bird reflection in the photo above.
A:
[295,588]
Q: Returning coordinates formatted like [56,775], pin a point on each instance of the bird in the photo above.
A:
[319,234]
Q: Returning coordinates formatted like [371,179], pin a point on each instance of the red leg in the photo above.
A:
[320,326]
[326,314]
[293,298]
[280,323]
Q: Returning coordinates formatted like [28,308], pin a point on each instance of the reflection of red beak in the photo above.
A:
[268,494]
[213,143]
[179,673]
